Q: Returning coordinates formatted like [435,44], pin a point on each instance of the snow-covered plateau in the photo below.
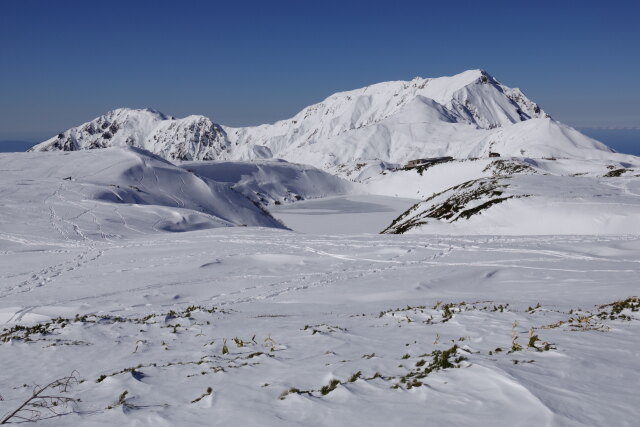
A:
[179,272]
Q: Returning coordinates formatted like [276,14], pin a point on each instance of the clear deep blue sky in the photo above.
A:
[243,62]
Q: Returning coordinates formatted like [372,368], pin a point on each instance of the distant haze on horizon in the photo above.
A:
[67,62]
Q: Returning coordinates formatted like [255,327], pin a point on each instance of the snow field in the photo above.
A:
[152,316]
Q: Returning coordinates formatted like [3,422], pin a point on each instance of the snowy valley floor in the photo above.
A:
[350,214]
[254,326]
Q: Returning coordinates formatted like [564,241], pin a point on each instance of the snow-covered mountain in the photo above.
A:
[193,137]
[349,133]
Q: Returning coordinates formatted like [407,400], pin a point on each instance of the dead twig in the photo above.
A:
[45,400]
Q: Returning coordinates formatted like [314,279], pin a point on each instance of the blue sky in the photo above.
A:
[242,62]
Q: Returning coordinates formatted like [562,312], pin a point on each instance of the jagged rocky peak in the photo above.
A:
[122,126]
[189,138]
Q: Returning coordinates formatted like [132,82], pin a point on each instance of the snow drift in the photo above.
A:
[115,192]
[273,181]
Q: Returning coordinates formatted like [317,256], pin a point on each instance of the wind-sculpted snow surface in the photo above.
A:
[114,192]
[357,133]
[273,181]
[243,326]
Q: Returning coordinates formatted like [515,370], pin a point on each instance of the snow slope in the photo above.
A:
[359,132]
[113,192]
[517,198]
[273,181]
[461,331]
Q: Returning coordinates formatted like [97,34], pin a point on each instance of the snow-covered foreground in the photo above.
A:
[415,329]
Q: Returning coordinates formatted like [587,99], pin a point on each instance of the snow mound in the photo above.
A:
[273,181]
[529,203]
[115,192]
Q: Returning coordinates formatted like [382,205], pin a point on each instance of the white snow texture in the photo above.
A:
[191,274]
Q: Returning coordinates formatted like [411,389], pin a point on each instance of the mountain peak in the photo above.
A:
[123,112]
[464,115]
[468,77]
[190,138]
